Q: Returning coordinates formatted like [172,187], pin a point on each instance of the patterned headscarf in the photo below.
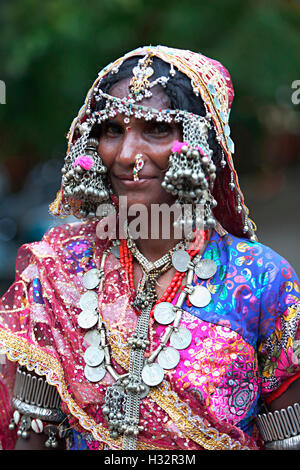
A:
[213,82]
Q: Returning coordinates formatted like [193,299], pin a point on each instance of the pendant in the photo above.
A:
[181,338]
[152,374]
[89,301]
[181,260]
[94,374]
[164,313]
[168,358]
[92,338]
[206,268]
[87,319]
[93,356]
[200,297]
[91,279]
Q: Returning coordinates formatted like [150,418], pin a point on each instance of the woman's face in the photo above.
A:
[120,143]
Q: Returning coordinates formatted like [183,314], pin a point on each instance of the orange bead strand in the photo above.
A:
[126,260]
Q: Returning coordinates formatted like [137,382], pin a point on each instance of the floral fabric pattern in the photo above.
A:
[245,343]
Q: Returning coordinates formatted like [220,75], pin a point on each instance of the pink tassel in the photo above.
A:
[84,161]
[177,146]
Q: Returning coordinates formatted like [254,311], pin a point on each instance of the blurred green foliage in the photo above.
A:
[51,51]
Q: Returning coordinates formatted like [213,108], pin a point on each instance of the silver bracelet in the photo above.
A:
[292,443]
[36,405]
[35,390]
[33,396]
[280,426]
[45,414]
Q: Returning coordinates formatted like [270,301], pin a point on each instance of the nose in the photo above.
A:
[131,145]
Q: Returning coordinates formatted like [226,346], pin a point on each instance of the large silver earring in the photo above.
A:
[190,177]
[85,179]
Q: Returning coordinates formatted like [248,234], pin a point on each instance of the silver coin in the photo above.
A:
[200,297]
[92,337]
[89,301]
[93,356]
[168,358]
[152,374]
[206,268]
[164,313]
[87,319]
[181,338]
[181,260]
[116,251]
[94,374]
[91,279]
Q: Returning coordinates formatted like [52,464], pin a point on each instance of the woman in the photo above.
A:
[130,339]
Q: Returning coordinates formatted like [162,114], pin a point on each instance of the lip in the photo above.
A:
[127,180]
[130,177]
[132,183]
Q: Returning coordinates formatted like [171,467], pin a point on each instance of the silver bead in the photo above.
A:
[25,434]
[184,149]
[211,222]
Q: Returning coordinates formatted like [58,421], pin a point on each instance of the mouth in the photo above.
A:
[128,179]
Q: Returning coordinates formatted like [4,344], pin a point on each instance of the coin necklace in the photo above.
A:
[122,400]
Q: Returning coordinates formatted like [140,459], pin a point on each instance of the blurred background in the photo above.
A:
[51,51]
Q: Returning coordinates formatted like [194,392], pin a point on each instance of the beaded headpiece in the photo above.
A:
[210,80]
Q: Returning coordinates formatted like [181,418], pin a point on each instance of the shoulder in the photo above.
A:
[266,272]
[269,276]
[67,232]
[71,244]
[260,258]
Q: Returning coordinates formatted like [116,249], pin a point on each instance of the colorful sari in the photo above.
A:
[245,344]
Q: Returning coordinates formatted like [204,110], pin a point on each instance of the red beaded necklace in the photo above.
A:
[126,260]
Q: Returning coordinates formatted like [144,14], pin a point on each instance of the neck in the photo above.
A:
[153,249]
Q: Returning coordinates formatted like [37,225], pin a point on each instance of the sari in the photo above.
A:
[245,343]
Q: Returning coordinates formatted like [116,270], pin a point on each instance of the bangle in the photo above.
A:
[36,405]
[46,414]
[35,390]
[280,425]
[292,443]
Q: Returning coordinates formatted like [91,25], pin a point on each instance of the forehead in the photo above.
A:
[158,100]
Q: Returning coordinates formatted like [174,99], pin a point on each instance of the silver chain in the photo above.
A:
[136,363]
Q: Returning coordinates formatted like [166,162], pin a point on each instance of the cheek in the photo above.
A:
[162,151]
[160,154]
[107,152]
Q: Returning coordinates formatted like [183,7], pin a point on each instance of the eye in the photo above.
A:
[111,128]
[158,128]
